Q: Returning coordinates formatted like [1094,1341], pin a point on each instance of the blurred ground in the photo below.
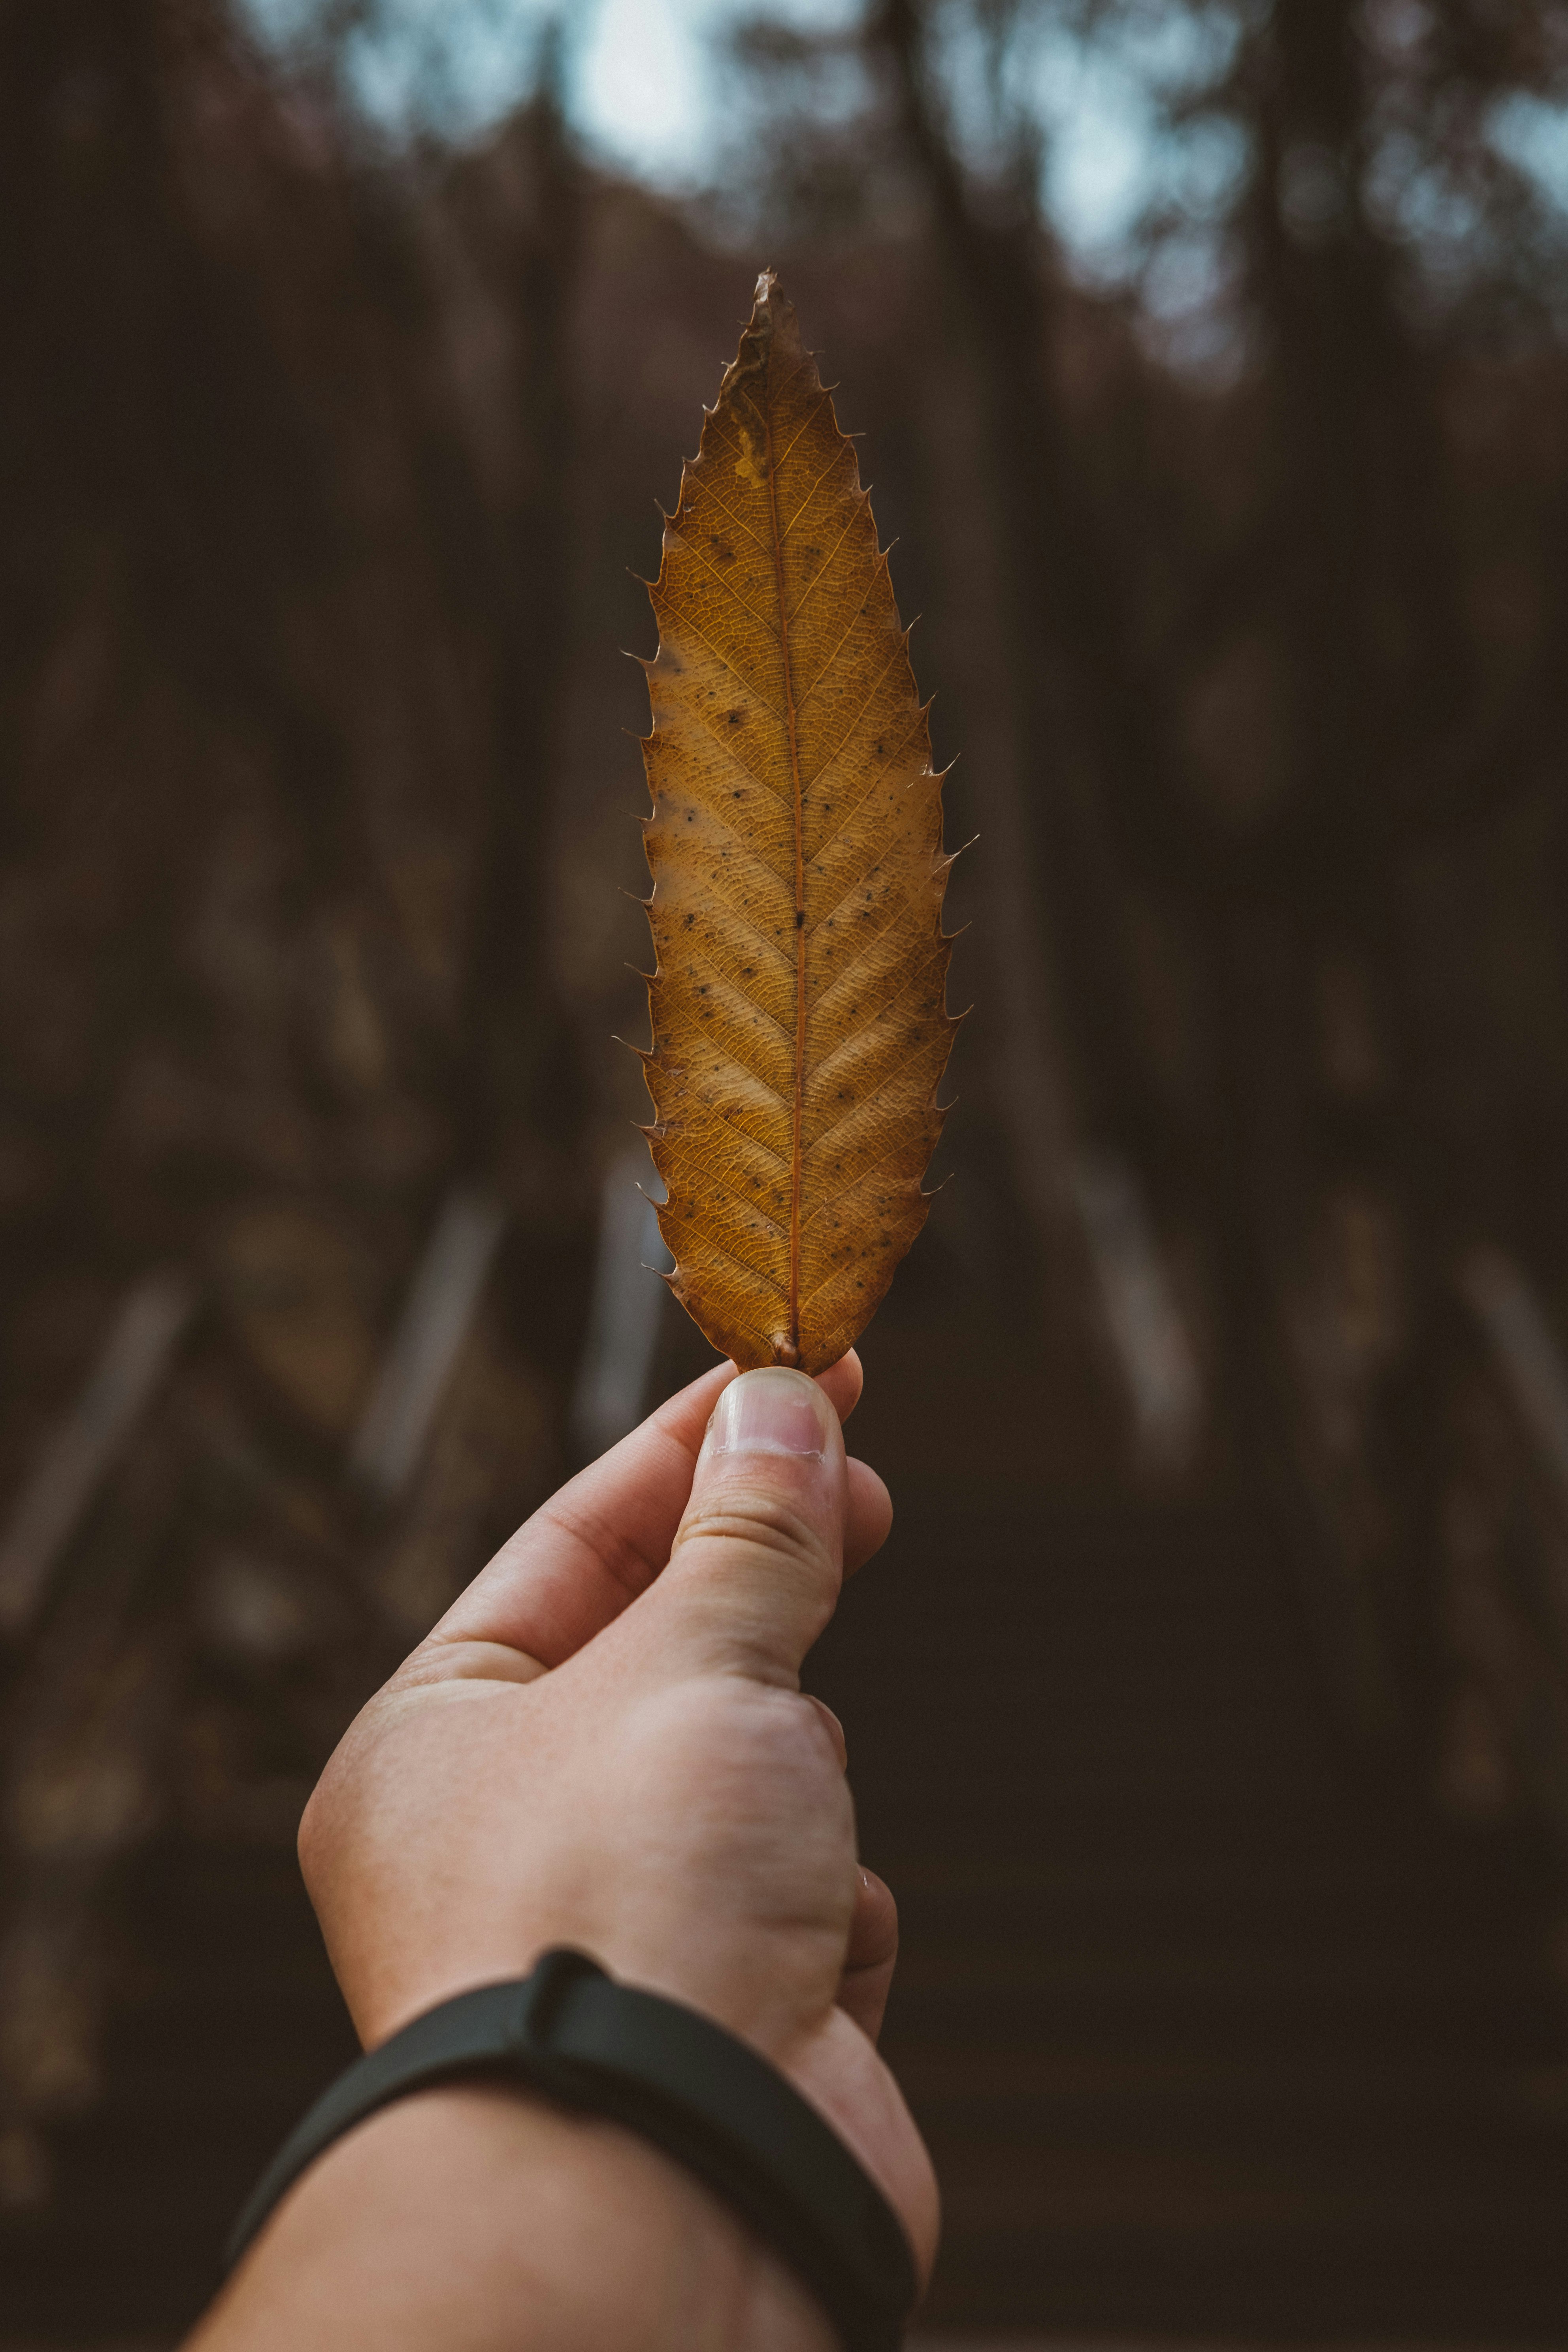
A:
[1212,2030]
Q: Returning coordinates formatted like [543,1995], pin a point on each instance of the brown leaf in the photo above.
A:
[800,1026]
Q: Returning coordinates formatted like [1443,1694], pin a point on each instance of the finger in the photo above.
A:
[868,1516]
[755,1569]
[843,1382]
[872,1956]
[595,1546]
[835,1728]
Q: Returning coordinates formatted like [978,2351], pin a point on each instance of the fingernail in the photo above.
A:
[771,1412]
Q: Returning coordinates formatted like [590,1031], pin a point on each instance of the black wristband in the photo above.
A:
[677,2079]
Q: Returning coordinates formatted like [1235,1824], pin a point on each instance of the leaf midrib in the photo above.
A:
[798,1105]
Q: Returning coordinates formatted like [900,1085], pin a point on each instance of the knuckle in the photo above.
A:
[763,1522]
[719,1724]
[327,1819]
[309,1841]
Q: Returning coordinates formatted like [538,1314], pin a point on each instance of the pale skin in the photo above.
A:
[604,1744]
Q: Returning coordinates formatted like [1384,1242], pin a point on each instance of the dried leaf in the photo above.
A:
[800,1026]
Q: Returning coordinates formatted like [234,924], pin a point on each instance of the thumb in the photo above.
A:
[758,1557]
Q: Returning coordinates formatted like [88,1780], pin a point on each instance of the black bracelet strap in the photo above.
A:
[676,2078]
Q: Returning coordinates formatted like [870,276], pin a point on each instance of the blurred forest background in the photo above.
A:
[1210,1712]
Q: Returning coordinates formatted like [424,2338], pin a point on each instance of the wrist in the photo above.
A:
[480,2217]
[831,2067]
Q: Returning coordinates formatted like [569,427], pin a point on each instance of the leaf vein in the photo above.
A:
[712,1176]
[860,714]
[724,661]
[787,1033]
[870,1170]
[735,1259]
[722,1046]
[854,1037]
[728,586]
[727,511]
[786,454]
[851,813]
[810,494]
[815,581]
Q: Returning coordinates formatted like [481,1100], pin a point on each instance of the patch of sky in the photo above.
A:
[645,83]
[1531,133]
[640,82]
[651,83]
[1137,174]
[1410,194]
[1105,91]
[419,67]
[1107,107]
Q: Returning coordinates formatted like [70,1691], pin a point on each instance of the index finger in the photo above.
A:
[603,1539]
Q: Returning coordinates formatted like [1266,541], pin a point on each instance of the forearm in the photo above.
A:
[480,2220]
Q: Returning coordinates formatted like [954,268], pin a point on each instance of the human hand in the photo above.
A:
[596,1748]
